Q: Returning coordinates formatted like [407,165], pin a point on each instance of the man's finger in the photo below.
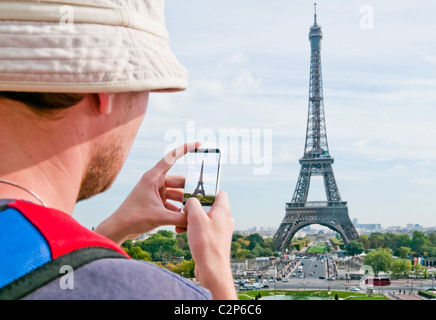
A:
[172,218]
[174,194]
[175,181]
[170,158]
[180,230]
[171,206]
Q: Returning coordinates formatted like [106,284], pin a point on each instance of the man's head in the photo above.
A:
[85,67]
[99,128]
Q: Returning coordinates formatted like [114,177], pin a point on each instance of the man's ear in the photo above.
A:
[105,103]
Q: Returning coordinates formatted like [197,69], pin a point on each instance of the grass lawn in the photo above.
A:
[318,247]
[342,295]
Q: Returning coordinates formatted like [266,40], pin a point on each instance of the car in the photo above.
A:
[331,279]
[354,289]
[321,277]
[285,280]
[257,285]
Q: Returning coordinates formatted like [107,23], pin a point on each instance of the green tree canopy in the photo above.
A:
[138,254]
[376,240]
[254,239]
[404,252]
[365,241]
[401,267]
[419,239]
[380,260]
[354,247]
[161,245]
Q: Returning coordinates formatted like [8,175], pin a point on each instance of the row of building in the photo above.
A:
[362,228]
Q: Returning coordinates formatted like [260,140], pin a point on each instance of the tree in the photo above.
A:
[376,240]
[432,238]
[235,248]
[245,254]
[185,268]
[183,245]
[404,252]
[420,271]
[379,260]
[419,239]
[354,247]
[254,239]
[401,267]
[258,251]
[268,243]
[403,240]
[161,245]
[139,254]
[429,251]
[244,243]
[391,241]
[365,242]
[128,244]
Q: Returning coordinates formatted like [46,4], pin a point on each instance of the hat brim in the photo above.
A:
[85,58]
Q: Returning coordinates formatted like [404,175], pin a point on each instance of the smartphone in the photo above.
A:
[202,176]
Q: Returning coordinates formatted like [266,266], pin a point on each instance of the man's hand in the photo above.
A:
[210,238]
[147,206]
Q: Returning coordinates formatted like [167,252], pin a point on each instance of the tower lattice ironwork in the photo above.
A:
[316,160]
[200,187]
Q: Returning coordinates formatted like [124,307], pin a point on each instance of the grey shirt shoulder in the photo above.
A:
[121,279]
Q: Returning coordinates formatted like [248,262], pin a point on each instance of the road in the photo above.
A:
[311,283]
[314,268]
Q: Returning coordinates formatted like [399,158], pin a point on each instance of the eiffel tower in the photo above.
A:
[316,160]
[200,188]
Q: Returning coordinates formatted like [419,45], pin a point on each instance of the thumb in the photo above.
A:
[194,210]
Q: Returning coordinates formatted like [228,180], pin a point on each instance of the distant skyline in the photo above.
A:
[249,70]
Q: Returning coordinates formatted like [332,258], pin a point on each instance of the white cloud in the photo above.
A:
[234,58]
[245,83]
[429,57]
[425,181]
[207,87]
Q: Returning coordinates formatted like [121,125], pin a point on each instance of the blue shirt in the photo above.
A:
[122,279]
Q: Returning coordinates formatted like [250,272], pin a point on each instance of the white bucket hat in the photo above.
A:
[86,46]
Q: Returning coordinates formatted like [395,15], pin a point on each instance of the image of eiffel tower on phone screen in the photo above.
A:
[202,177]
[200,185]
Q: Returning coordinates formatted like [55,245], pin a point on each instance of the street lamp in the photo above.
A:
[411,276]
[421,277]
[432,280]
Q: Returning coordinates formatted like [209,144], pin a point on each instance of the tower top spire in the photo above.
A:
[315,34]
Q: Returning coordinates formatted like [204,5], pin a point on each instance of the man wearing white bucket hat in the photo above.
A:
[75,76]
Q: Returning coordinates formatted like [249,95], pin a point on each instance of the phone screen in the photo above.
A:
[202,175]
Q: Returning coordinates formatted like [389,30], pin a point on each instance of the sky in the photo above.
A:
[249,62]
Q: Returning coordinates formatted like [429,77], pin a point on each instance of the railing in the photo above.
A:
[317,204]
